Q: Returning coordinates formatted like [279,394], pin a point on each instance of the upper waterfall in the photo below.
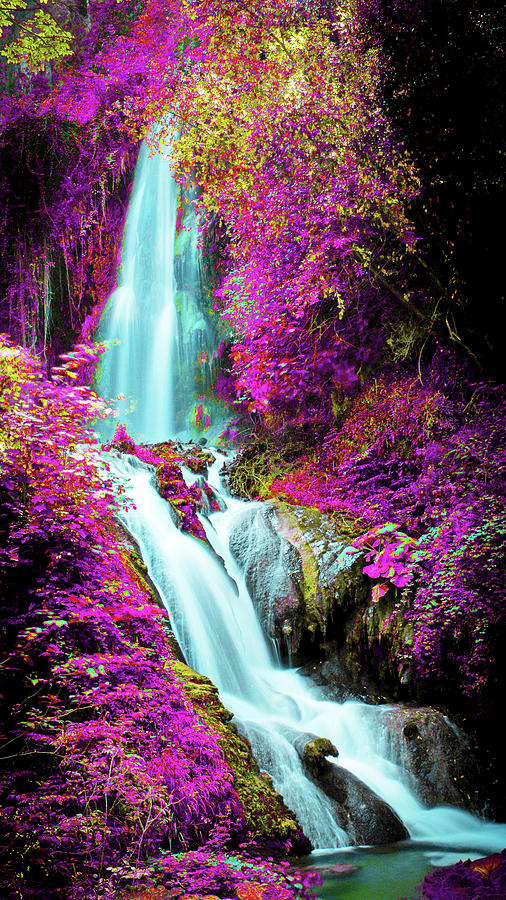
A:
[158,370]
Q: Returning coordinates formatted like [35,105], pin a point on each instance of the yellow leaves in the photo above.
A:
[255,75]
[34,39]
[8,9]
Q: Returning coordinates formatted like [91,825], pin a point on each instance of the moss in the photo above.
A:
[315,752]
[292,529]
[267,816]
[191,455]
[254,469]
[129,553]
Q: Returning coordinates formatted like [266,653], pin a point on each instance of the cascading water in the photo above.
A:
[162,344]
[204,592]
[140,314]
[216,626]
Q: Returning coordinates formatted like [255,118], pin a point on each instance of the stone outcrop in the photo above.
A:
[300,572]
[272,568]
[365,817]
[311,596]
[434,753]
[314,754]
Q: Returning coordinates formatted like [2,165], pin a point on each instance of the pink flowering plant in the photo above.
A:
[390,556]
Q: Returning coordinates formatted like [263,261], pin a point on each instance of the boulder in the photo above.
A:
[365,817]
[272,568]
[315,752]
[300,574]
[434,753]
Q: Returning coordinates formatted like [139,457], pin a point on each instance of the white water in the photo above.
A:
[216,626]
[140,313]
[211,612]
[160,339]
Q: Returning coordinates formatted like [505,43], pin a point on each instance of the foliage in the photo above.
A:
[34,37]
[64,192]
[390,556]
[483,879]
[283,130]
[199,872]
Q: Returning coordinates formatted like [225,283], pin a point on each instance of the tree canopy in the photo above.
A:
[33,35]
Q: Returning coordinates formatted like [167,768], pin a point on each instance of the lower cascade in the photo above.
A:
[277,709]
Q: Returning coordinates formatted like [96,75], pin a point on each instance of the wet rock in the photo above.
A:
[339,870]
[315,752]
[434,753]
[365,817]
[272,568]
[302,578]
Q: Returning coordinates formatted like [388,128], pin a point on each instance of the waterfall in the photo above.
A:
[140,314]
[157,372]
[211,612]
[214,621]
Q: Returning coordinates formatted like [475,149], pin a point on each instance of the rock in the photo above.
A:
[272,567]
[435,755]
[302,578]
[315,752]
[365,817]
[329,872]
[211,501]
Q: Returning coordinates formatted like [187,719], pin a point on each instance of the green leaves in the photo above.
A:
[36,39]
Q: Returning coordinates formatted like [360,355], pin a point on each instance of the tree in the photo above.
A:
[280,119]
[33,34]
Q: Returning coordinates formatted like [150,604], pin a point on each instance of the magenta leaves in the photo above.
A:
[391,557]
[104,762]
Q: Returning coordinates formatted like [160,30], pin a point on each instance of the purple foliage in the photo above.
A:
[483,879]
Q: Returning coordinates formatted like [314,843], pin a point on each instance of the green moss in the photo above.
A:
[292,528]
[315,752]
[254,469]
[132,558]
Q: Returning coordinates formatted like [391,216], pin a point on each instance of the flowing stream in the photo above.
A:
[211,612]
[217,628]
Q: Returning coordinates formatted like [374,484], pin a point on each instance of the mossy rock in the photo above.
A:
[298,570]
[268,818]
[315,752]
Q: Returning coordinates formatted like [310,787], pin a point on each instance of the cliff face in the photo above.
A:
[65,191]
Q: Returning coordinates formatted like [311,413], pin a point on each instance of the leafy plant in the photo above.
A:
[391,557]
